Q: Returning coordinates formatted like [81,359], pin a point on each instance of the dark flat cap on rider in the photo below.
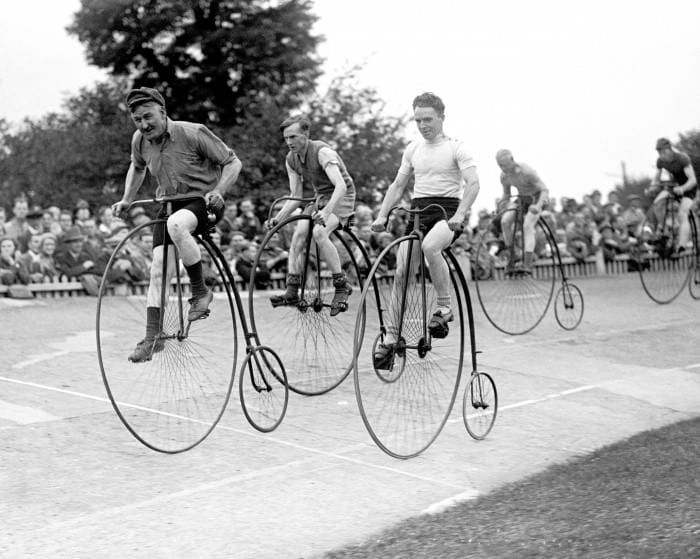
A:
[136,97]
[663,143]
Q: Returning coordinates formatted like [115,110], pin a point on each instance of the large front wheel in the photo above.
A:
[664,266]
[311,339]
[172,401]
[514,298]
[405,392]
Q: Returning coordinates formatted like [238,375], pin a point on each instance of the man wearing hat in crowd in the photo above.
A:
[184,157]
[677,164]
[74,261]
[532,194]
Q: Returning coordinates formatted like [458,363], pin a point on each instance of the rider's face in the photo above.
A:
[295,137]
[666,154]
[428,121]
[150,119]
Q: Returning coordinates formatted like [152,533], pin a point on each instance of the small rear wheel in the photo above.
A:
[480,405]
[568,306]
[263,389]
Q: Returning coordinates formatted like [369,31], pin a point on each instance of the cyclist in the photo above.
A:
[183,157]
[677,164]
[315,163]
[532,195]
[445,174]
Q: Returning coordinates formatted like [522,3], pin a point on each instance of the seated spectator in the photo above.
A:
[249,224]
[235,248]
[75,261]
[105,219]
[274,255]
[11,269]
[93,239]
[228,223]
[18,227]
[127,267]
[633,215]
[609,242]
[47,250]
[65,220]
[30,259]
[49,224]
[81,213]
[245,267]
[579,243]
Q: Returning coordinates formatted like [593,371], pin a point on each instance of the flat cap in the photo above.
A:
[141,95]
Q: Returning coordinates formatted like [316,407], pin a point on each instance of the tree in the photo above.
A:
[216,61]
[81,153]
[352,119]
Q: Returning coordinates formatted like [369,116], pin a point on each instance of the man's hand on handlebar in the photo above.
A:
[379,225]
[214,200]
[119,208]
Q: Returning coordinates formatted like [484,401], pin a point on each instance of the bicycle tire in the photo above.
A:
[480,405]
[312,344]
[568,306]
[172,402]
[515,302]
[405,416]
[694,276]
[662,271]
[263,389]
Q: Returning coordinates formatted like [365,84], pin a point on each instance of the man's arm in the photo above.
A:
[296,190]
[543,190]
[134,180]
[339,190]
[229,175]
[692,180]
[471,189]
[392,197]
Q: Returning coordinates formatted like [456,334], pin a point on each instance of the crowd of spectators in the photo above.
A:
[39,245]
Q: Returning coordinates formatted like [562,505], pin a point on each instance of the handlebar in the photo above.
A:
[164,199]
[286,198]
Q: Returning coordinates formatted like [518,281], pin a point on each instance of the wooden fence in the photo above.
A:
[71,287]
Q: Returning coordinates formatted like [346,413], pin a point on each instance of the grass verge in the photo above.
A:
[637,498]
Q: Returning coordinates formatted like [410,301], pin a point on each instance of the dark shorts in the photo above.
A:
[198,207]
[431,216]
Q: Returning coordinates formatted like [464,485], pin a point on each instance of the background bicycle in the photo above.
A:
[514,298]
[312,340]
[665,262]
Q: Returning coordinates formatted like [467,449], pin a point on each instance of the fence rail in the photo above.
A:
[70,287]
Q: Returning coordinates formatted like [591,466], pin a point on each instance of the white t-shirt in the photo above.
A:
[437,167]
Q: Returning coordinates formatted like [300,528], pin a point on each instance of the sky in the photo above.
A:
[576,89]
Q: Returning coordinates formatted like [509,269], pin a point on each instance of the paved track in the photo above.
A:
[75,484]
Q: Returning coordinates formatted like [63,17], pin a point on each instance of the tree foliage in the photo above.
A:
[239,66]
[216,61]
[352,118]
[82,152]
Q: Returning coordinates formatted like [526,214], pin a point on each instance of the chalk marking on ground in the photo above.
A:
[24,415]
[316,451]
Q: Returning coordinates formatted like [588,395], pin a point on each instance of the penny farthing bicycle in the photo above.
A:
[173,401]
[665,266]
[313,340]
[406,399]
[514,298]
